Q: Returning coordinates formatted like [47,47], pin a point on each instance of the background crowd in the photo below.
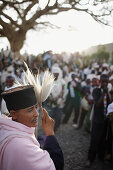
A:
[85,90]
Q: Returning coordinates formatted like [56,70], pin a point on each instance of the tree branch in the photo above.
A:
[29,7]
[2,33]
[38,14]
[7,28]
[47,24]
[48,2]
[15,2]
[16,9]
[11,5]
[62,9]
[11,20]
[2,7]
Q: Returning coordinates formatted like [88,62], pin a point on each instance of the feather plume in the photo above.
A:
[31,79]
[43,90]
[47,85]
[24,80]
[16,83]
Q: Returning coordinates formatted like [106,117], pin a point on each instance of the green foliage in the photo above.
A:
[101,54]
[112,57]
[86,60]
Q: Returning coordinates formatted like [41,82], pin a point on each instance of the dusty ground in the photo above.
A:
[75,144]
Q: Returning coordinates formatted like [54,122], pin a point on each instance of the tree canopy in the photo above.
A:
[19,16]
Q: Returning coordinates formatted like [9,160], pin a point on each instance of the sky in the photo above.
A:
[78,31]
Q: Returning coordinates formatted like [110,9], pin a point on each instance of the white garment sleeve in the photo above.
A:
[4,107]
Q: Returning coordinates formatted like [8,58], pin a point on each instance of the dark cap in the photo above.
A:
[19,98]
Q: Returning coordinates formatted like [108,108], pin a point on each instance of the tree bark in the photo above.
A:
[16,40]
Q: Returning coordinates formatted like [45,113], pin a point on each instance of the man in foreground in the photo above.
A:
[19,149]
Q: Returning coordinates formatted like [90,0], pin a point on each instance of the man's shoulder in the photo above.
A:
[20,145]
[17,142]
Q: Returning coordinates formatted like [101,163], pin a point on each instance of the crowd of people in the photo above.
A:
[86,92]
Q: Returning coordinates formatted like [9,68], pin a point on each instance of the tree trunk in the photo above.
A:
[16,42]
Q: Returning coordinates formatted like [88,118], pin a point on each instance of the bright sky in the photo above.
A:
[78,32]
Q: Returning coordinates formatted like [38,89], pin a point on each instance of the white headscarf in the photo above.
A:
[57,70]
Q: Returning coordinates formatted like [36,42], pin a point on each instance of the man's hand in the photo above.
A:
[47,123]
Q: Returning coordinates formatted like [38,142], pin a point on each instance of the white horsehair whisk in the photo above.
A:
[42,90]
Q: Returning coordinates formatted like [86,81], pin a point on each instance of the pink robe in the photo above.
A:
[19,149]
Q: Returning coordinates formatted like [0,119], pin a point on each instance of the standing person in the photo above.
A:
[19,149]
[47,59]
[8,85]
[94,84]
[99,122]
[85,107]
[57,96]
[4,74]
[72,101]
[110,116]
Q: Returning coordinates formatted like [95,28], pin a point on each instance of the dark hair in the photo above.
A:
[10,78]
[104,76]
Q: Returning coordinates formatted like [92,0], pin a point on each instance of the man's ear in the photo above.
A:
[13,114]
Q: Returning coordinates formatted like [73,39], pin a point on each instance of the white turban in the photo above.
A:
[57,70]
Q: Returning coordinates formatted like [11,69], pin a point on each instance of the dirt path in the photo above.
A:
[75,144]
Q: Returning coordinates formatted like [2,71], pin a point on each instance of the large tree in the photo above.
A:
[19,16]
